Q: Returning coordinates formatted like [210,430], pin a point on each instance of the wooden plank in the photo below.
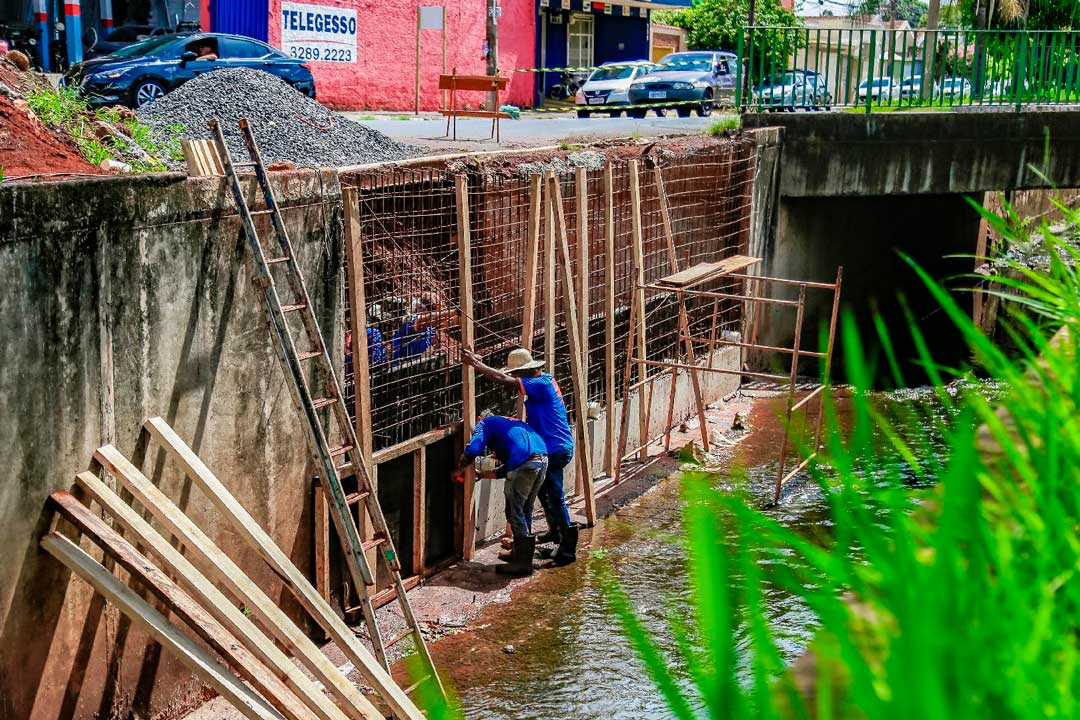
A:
[549,288]
[609,319]
[223,610]
[180,604]
[468,373]
[322,543]
[412,444]
[581,215]
[354,273]
[583,452]
[624,422]
[684,326]
[637,249]
[210,559]
[191,158]
[127,601]
[704,271]
[532,257]
[419,508]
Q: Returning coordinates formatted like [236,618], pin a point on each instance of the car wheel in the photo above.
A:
[636,113]
[706,106]
[147,91]
[660,112]
[583,113]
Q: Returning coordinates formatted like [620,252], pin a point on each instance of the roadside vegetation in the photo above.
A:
[110,133]
[726,124]
[950,599]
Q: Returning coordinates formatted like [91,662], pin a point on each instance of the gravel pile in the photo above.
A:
[289,126]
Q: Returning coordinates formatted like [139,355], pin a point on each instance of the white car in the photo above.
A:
[955,88]
[608,87]
[911,87]
[880,88]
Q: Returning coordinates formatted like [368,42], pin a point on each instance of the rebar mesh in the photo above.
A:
[409,245]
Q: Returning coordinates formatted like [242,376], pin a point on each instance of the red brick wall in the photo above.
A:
[384,76]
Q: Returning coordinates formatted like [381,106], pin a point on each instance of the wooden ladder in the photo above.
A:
[327,456]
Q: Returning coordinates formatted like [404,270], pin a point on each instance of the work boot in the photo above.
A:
[551,536]
[521,563]
[566,553]
[508,554]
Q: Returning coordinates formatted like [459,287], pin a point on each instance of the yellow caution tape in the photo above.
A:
[619,108]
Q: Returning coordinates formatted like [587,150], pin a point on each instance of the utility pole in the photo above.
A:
[493,12]
[933,12]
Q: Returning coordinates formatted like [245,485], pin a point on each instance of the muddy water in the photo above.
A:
[569,657]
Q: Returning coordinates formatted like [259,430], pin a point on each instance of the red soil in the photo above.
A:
[27,147]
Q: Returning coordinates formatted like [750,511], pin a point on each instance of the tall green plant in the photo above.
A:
[961,602]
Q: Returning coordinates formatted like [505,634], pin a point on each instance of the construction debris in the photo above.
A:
[289,126]
[27,147]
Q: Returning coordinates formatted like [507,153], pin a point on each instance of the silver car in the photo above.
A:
[608,87]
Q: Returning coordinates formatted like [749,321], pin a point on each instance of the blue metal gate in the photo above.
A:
[240,17]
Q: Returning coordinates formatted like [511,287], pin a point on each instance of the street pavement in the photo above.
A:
[532,130]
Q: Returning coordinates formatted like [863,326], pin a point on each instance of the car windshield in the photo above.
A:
[785,79]
[691,63]
[612,73]
[146,47]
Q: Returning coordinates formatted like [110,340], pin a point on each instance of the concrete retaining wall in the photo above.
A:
[124,299]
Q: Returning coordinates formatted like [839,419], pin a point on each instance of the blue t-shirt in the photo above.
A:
[376,351]
[545,411]
[512,441]
[410,341]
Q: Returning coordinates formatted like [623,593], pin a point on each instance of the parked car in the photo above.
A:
[955,88]
[123,36]
[879,89]
[820,87]
[145,71]
[911,87]
[702,78]
[791,90]
[609,87]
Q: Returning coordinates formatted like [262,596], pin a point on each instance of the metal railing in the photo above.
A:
[791,68]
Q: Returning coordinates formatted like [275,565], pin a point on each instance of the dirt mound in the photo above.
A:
[28,148]
[289,126]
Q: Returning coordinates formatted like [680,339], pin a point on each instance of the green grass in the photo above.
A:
[63,109]
[959,602]
[724,125]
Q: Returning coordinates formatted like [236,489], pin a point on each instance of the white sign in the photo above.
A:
[431,17]
[322,33]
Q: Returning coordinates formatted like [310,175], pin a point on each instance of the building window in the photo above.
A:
[579,41]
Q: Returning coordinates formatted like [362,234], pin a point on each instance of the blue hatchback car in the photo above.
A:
[143,72]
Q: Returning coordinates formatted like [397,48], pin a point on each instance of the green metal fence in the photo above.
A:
[792,68]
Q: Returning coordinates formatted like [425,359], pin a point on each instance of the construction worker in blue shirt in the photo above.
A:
[545,412]
[522,460]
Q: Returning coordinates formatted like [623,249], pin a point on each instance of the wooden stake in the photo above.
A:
[583,451]
[354,273]
[210,559]
[532,257]
[180,604]
[581,198]
[419,509]
[198,585]
[468,374]
[143,615]
[637,246]
[624,423]
[549,288]
[610,460]
[684,326]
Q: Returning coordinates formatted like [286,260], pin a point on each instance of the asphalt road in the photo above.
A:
[532,130]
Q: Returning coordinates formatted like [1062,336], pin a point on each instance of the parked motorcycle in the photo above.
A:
[570,83]
[21,37]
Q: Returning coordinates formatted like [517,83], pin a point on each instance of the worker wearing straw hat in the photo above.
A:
[545,412]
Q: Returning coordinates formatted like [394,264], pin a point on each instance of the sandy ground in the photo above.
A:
[454,601]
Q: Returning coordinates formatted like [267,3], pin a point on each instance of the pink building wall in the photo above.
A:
[384,75]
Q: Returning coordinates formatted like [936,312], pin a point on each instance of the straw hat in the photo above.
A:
[521,359]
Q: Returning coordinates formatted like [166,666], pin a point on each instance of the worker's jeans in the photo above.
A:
[552,496]
[522,485]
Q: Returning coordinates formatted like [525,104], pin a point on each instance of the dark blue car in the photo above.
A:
[145,71]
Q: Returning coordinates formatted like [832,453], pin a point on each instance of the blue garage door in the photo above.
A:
[240,17]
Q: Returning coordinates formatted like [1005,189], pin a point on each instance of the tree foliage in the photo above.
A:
[716,24]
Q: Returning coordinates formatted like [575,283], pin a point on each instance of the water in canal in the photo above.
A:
[570,660]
